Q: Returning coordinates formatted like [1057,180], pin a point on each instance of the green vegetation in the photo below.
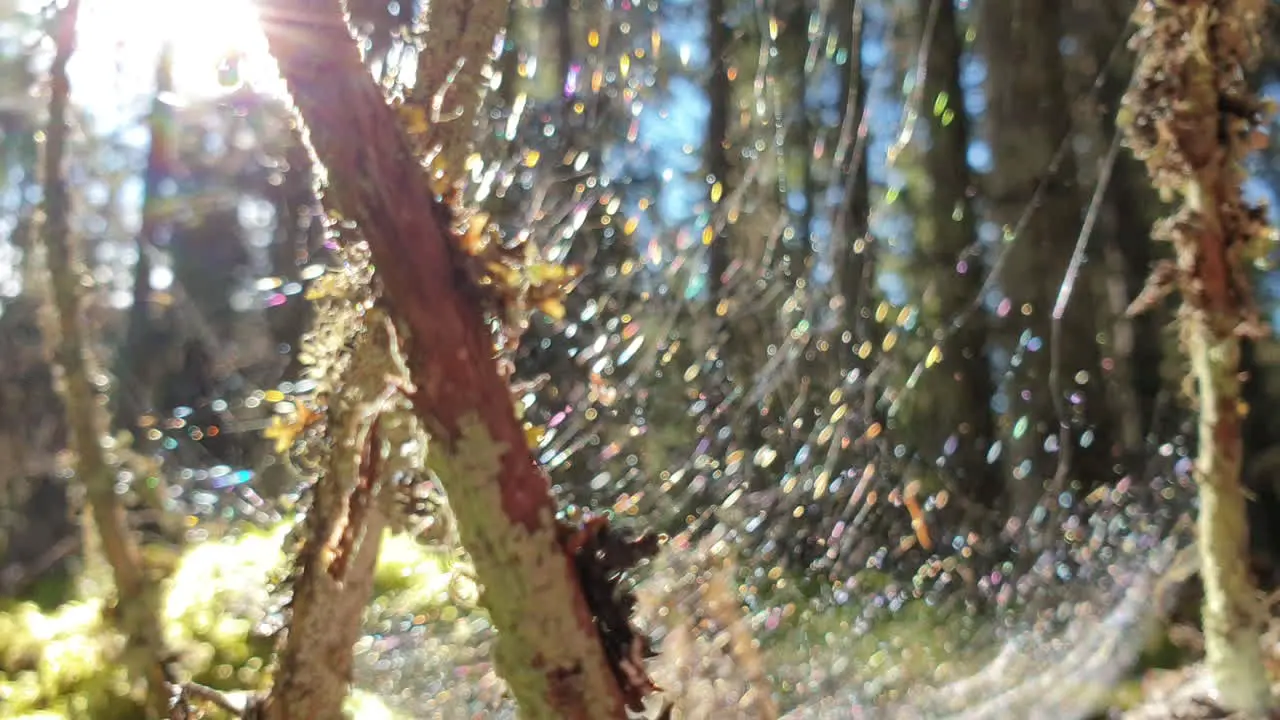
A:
[60,662]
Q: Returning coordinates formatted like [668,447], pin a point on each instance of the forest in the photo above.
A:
[595,359]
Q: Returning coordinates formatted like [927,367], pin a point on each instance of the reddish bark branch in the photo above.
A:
[375,180]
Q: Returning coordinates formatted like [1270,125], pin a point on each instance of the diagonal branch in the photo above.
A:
[549,649]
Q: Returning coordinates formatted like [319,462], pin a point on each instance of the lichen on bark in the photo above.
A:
[1190,116]
[452,76]
[500,496]
[533,599]
[357,431]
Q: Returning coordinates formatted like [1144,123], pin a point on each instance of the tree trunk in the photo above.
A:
[1028,118]
[947,413]
[856,270]
[135,377]
[794,52]
[716,157]
[1190,115]
[1097,75]
[549,648]
[345,521]
[136,610]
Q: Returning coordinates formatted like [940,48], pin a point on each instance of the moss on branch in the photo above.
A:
[1190,116]
[550,648]
[453,76]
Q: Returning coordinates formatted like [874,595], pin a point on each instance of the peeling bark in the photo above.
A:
[549,649]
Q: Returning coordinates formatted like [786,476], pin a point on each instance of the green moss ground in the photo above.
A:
[61,660]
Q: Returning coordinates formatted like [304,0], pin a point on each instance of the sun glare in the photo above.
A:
[121,39]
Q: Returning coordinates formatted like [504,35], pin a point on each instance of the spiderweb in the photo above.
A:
[750,414]
[731,367]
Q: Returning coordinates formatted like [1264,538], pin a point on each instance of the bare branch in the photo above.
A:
[343,530]
[136,612]
[549,648]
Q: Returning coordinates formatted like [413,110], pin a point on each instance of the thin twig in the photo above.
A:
[201,693]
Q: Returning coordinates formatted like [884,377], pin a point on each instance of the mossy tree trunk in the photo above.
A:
[343,526]
[1191,117]
[136,610]
[549,648]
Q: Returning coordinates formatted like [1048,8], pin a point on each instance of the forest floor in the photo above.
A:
[1184,693]
[1178,695]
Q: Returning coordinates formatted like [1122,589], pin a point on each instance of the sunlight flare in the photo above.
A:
[217,45]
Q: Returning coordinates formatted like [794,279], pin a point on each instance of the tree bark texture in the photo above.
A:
[1191,117]
[549,649]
